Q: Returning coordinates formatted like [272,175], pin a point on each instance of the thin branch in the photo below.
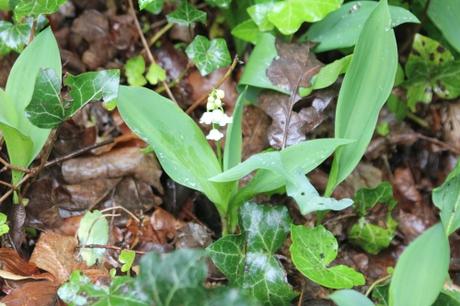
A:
[12,167]
[125,210]
[146,46]
[160,33]
[219,83]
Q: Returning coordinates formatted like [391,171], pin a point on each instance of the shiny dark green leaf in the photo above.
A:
[366,198]
[153,6]
[248,259]
[207,55]
[372,238]
[187,14]
[312,250]
[34,8]
[14,36]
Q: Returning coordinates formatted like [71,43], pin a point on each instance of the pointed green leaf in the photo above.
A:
[153,6]
[34,8]
[312,250]
[186,14]
[366,198]
[341,28]
[207,55]
[247,31]
[127,259]
[444,15]
[43,52]
[347,297]
[447,198]
[178,142]
[259,14]
[365,88]
[93,229]
[372,238]
[288,168]
[14,36]
[289,15]
[421,269]
[248,259]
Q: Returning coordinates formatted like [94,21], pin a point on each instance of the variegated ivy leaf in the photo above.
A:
[186,14]
[219,3]
[248,260]
[207,55]
[14,36]
[47,110]
[312,250]
[34,8]
[153,6]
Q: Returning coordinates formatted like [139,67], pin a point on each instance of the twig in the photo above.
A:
[79,152]
[218,84]
[146,46]
[439,143]
[374,284]
[12,167]
[6,195]
[32,30]
[125,210]
[106,246]
[177,80]
[6,184]
[160,33]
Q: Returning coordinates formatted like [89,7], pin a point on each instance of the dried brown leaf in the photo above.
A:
[36,293]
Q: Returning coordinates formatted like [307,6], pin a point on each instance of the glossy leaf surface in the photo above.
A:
[207,55]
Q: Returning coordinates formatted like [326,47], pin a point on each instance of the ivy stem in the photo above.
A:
[160,33]
[374,284]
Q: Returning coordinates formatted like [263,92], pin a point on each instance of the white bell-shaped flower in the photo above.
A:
[215,135]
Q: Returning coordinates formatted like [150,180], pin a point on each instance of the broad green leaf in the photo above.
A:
[372,238]
[219,3]
[261,58]
[173,279]
[79,291]
[450,296]
[134,70]
[46,110]
[155,74]
[127,259]
[288,168]
[341,28]
[365,88]
[347,297]
[444,14]
[421,269]
[93,229]
[234,138]
[327,75]
[34,8]
[247,31]
[186,14]
[248,260]
[178,142]
[366,198]
[43,52]
[312,250]
[430,69]
[153,6]
[289,15]
[207,55]
[447,198]
[14,36]
[259,14]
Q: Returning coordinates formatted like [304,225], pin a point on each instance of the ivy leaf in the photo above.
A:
[312,250]
[248,259]
[207,55]
[14,36]
[247,31]
[34,8]
[431,68]
[289,15]
[259,14]
[155,74]
[134,70]
[46,110]
[93,229]
[219,3]
[447,198]
[288,168]
[186,14]
[153,6]
[372,238]
[366,198]
[127,259]
[79,291]
[173,279]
